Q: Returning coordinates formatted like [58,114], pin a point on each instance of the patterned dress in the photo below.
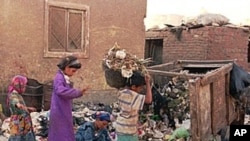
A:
[20,120]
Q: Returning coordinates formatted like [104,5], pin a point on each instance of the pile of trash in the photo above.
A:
[118,65]
[171,97]
[40,122]
[150,127]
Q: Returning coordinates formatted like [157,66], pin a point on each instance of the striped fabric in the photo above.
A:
[130,103]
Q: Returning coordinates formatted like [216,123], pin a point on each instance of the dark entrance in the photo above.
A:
[153,50]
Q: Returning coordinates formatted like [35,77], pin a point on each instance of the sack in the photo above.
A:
[209,19]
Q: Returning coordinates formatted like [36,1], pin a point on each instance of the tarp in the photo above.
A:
[239,80]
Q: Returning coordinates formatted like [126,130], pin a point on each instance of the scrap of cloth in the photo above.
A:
[61,120]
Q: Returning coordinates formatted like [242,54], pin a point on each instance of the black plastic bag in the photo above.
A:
[239,80]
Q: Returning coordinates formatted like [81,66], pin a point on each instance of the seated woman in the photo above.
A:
[94,131]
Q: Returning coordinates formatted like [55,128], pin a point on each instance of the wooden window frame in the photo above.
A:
[71,6]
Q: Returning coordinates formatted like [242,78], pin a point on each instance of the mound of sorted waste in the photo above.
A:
[119,65]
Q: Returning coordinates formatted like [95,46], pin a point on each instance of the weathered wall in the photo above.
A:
[190,45]
[207,43]
[22,38]
[228,43]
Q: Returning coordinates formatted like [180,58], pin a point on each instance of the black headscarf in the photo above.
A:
[70,61]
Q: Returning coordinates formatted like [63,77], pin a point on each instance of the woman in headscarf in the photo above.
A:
[61,126]
[95,131]
[20,120]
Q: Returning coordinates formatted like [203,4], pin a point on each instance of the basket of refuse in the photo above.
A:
[119,66]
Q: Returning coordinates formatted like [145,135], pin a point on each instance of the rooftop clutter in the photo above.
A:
[207,19]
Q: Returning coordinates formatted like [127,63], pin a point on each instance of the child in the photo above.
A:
[20,120]
[131,101]
[95,131]
[61,120]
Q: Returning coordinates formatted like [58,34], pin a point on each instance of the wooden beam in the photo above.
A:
[161,65]
[194,89]
[203,65]
[176,70]
[206,61]
[172,74]
[213,76]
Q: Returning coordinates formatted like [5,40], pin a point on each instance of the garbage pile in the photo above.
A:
[150,126]
[40,122]
[118,65]
[171,98]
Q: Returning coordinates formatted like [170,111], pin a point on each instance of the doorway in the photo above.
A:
[154,50]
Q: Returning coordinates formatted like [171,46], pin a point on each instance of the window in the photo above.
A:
[66,29]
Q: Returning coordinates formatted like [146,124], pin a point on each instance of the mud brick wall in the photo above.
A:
[22,43]
[228,43]
[206,43]
[190,45]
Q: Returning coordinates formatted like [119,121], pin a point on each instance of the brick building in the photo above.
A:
[204,43]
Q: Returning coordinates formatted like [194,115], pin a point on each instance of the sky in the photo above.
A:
[237,11]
